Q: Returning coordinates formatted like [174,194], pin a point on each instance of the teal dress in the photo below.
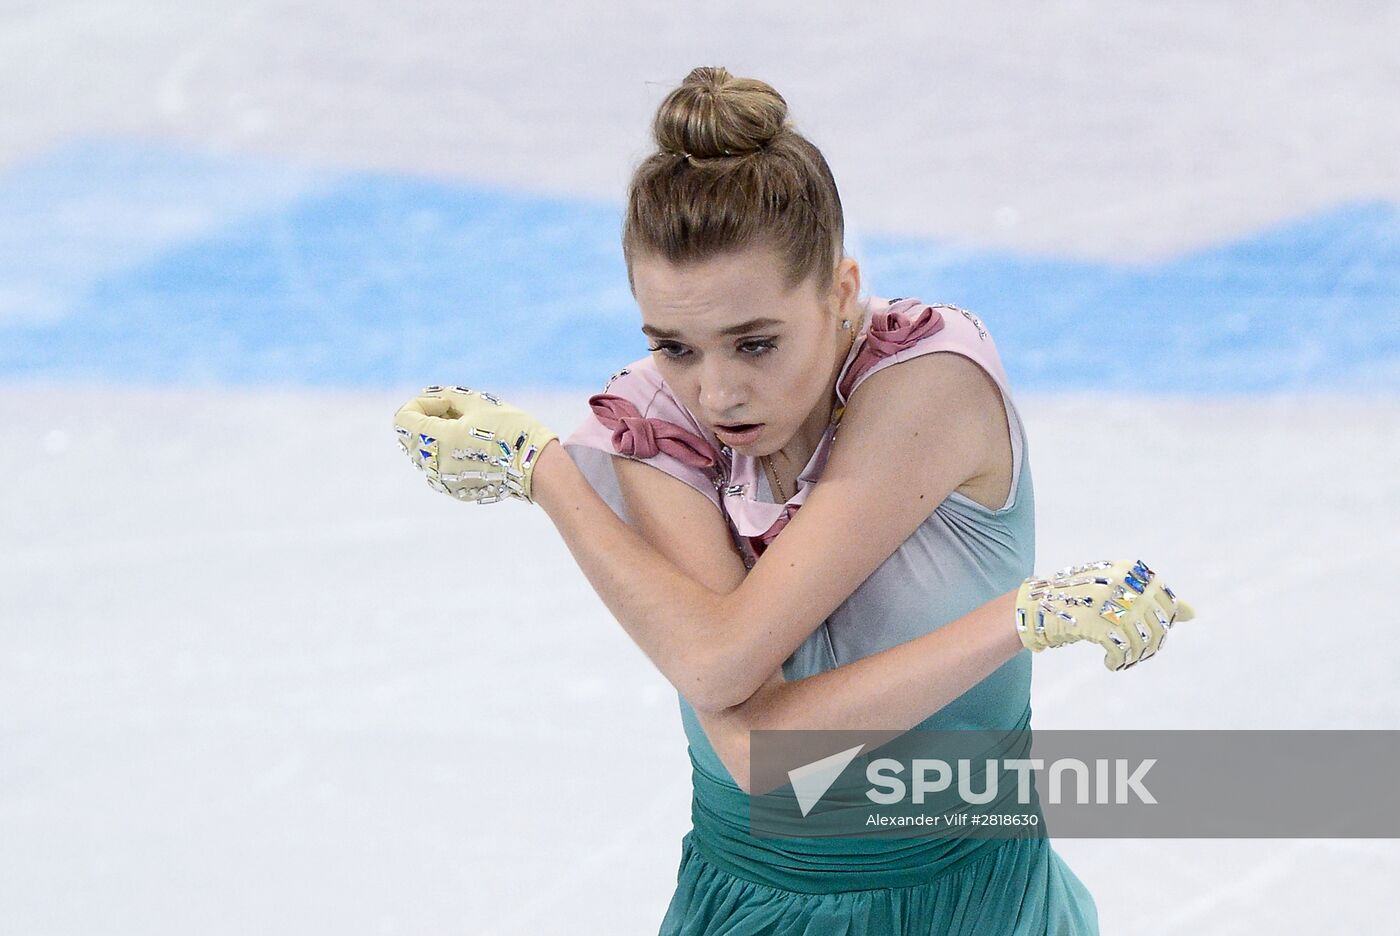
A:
[964,554]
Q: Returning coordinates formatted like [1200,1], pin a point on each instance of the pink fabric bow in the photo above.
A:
[891,330]
[640,437]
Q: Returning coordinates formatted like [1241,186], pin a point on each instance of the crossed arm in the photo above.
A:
[720,635]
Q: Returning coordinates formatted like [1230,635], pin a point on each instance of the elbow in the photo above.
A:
[736,753]
[716,688]
[736,760]
[717,679]
[731,745]
[730,733]
[716,699]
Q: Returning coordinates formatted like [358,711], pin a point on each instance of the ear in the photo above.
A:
[845,286]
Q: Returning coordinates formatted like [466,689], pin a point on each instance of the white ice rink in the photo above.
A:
[228,709]
[226,706]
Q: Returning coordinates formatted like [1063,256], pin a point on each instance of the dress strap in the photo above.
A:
[893,329]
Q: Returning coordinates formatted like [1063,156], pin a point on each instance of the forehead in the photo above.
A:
[713,295]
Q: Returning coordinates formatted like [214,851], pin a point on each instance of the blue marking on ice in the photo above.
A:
[1311,304]
[144,263]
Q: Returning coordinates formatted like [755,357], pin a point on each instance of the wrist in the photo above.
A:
[1024,617]
[1007,615]
[546,477]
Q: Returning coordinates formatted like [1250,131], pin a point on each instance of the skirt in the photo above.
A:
[1015,887]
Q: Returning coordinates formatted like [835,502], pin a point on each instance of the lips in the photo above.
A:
[739,433]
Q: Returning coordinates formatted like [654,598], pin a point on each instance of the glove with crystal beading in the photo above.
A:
[1123,606]
[470,444]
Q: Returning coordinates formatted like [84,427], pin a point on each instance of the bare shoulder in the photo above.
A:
[943,397]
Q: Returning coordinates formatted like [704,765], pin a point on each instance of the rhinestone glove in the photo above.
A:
[470,444]
[1122,606]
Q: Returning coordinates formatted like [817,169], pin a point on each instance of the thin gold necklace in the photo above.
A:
[773,474]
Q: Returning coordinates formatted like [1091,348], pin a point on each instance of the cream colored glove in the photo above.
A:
[471,445]
[1123,606]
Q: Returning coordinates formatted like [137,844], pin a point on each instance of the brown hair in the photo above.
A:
[731,172]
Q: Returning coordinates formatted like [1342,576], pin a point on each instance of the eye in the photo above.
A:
[753,347]
[668,349]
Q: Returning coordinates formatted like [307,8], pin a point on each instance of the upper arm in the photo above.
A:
[680,523]
[684,526]
[912,433]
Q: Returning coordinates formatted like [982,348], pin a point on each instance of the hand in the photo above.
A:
[470,444]
[1122,606]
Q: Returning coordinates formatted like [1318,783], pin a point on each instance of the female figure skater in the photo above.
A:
[781,577]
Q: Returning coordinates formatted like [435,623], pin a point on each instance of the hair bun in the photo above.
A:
[714,114]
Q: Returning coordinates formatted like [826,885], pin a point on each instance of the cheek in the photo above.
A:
[796,384]
[682,385]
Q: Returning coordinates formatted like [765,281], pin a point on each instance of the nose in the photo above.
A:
[722,394]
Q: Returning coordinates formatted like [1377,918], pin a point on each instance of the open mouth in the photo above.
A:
[738,427]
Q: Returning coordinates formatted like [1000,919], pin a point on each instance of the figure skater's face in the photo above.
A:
[753,361]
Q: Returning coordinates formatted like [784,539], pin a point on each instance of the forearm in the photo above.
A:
[676,621]
[893,690]
[897,688]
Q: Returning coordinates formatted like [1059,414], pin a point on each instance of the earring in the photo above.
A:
[845,324]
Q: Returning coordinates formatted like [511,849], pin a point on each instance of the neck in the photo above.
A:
[799,449]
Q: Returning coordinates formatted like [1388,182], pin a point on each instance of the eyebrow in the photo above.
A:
[741,328]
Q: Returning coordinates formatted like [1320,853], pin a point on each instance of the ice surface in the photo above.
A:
[259,677]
